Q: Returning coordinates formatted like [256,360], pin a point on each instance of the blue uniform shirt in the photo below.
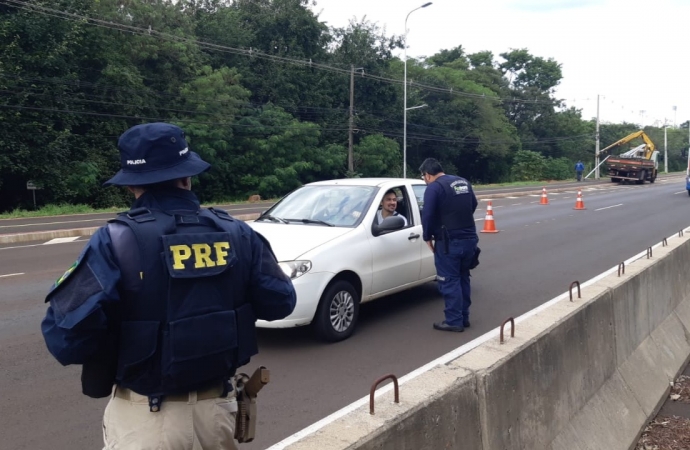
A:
[434,198]
[82,300]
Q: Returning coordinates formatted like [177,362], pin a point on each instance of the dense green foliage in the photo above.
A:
[262,89]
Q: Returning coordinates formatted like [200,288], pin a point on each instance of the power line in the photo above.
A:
[251,52]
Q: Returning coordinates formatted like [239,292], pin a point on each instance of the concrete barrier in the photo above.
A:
[578,375]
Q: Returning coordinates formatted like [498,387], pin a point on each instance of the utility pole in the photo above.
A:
[596,148]
[350,149]
[665,149]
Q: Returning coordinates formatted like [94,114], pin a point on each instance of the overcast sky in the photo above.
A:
[633,53]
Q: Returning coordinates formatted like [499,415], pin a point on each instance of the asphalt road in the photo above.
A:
[11,226]
[539,251]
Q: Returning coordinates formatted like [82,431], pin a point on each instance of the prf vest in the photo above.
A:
[456,210]
[184,320]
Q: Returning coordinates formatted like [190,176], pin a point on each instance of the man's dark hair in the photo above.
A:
[430,166]
[390,191]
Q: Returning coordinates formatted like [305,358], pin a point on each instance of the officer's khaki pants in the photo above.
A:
[192,425]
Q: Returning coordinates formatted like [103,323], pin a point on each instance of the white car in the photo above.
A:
[326,237]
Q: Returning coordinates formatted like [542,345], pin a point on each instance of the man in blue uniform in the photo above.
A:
[579,168]
[448,220]
[160,306]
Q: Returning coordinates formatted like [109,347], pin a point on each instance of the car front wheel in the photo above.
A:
[338,311]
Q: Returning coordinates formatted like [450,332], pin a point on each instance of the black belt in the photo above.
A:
[215,391]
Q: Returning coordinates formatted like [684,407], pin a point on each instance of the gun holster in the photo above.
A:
[247,389]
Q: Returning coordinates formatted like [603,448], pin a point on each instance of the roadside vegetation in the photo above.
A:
[262,90]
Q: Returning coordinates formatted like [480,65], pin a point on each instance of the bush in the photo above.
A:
[528,166]
[558,169]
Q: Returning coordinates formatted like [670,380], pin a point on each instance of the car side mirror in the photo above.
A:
[389,224]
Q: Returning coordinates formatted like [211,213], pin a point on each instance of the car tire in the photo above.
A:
[338,311]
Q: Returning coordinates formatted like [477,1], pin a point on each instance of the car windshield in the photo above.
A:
[327,205]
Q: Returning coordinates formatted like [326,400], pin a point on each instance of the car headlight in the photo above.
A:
[295,269]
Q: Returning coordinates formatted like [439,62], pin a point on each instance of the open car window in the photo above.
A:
[402,206]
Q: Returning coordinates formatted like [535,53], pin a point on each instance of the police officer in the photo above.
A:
[160,306]
[448,220]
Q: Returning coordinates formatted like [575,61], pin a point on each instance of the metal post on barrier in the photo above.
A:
[649,252]
[512,327]
[621,266]
[375,385]
[570,290]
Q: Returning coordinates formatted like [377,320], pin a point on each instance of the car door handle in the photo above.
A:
[413,236]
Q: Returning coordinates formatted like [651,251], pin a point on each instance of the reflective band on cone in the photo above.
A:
[544,198]
[489,225]
[579,204]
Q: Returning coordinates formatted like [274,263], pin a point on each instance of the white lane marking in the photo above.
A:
[445,359]
[512,198]
[62,240]
[609,207]
[11,275]
[535,195]
[516,204]
[681,192]
[36,245]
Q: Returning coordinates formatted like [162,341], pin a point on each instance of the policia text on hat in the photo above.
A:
[160,306]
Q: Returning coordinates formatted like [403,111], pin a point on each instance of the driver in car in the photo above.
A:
[388,205]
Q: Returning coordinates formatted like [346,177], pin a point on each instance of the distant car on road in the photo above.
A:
[327,241]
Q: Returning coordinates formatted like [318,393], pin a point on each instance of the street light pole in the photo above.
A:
[405,93]
[665,150]
[596,145]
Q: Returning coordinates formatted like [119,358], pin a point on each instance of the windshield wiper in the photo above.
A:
[273,218]
[320,222]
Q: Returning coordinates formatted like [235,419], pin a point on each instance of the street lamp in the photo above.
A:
[405,109]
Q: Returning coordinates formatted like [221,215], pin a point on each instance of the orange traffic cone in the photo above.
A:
[544,199]
[579,204]
[489,225]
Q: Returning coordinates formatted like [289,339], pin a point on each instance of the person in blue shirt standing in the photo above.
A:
[579,168]
[450,232]
[160,306]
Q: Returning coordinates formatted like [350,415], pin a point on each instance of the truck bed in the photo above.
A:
[630,163]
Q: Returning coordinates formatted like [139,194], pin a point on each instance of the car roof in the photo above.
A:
[367,182]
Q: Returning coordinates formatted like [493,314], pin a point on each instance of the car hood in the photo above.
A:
[290,241]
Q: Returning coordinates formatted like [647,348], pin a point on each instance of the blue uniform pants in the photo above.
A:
[453,273]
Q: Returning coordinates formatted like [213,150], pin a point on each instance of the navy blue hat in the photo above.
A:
[155,152]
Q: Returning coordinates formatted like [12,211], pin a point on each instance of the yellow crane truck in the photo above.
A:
[638,164]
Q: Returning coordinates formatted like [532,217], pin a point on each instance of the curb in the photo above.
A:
[74,232]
